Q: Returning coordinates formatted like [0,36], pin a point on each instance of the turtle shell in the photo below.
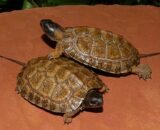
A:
[100,49]
[58,85]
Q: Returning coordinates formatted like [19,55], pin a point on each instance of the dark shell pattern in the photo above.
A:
[100,49]
[58,85]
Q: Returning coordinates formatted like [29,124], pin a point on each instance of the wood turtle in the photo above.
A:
[59,85]
[100,49]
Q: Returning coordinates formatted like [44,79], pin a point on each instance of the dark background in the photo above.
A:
[9,5]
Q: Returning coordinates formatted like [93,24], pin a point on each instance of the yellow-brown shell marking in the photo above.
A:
[58,85]
[100,49]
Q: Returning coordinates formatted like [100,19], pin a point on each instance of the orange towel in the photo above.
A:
[131,104]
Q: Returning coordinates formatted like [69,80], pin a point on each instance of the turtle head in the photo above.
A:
[94,99]
[51,29]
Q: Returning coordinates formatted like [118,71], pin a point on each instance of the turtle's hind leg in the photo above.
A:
[142,70]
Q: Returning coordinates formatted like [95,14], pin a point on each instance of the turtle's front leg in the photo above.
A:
[56,53]
[104,89]
[68,116]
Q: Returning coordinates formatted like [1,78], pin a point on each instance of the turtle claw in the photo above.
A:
[67,121]
[149,77]
[145,76]
[50,57]
[105,90]
[56,53]
[143,71]
[53,55]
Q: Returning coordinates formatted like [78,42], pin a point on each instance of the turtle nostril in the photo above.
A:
[43,22]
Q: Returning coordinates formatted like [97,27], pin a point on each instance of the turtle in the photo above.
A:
[59,85]
[97,48]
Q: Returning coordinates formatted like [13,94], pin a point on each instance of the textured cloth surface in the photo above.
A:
[130,104]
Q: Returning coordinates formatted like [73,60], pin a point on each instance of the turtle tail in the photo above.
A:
[13,60]
[149,54]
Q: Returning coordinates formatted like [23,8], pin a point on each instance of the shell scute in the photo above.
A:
[30,71]
[62,74]
[98,52]
[81,31]
[61,92]
[44,103]
[46,87]
[93,84]
[80,93]
[52,106]
[37,99]
[113,52]
[95,33]
[36,80]
[84,44]
[51,71]
[108,66]
[107,36]
[42,65]
[99,43]
[23,91]
[30,96]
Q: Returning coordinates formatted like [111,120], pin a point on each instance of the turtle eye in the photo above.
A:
[47,25]
[94,101]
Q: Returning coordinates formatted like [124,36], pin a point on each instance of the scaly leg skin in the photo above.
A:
[68,116]
[56,53]
[143,71]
